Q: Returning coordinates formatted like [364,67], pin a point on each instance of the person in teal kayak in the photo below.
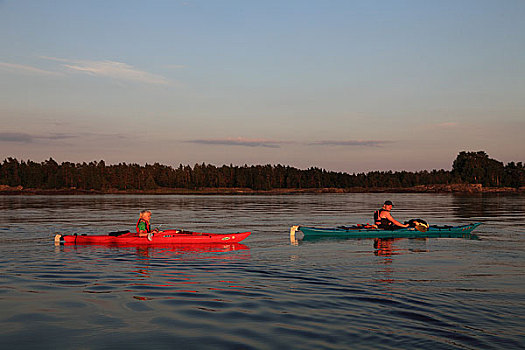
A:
[143,225]
[383,219]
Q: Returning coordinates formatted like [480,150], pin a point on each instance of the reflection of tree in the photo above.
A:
[485,205]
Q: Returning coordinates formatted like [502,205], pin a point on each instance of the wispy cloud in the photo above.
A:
[15,137]
[27,138]
[240,141]
[447,125]
[351,143]
[111,69]
[21,68]
[246,142]
[442,126]
[175,66]
[19,137]
[108,69]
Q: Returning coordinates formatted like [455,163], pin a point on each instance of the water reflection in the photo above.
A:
[382,243]
[488,206]
[311,296]
[167,251]
[171,272]
[385,247]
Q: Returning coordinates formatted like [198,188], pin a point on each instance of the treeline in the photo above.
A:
[467,168]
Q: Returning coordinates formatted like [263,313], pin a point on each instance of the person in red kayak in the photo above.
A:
[143,225]
[383,219]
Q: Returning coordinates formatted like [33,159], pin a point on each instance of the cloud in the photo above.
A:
[445,128]
[20,68]
[351,143]
[15,137]
[446,125]
[111,69]
[441,126]
[19,137]
[239,142]
[108,69]
[175,66]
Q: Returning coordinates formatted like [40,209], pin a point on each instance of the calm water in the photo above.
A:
[267,293]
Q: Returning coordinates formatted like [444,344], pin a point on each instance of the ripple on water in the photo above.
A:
[432,293]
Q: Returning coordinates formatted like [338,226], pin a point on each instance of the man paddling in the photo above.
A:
[383,219]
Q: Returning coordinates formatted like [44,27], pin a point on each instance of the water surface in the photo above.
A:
[265,293]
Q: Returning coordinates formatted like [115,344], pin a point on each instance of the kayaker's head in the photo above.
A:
[388,205]
[146,215]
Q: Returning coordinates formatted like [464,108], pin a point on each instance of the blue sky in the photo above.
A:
[343,85]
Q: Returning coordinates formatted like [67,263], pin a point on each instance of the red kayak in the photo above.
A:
[164,237]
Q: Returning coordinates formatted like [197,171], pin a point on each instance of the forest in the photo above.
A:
[467,168]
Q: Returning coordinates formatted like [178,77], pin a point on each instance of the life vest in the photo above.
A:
[379,221]
[148,230]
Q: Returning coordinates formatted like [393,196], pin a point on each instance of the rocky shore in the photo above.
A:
[455,188]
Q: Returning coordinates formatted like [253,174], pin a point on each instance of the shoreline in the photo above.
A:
[456,188]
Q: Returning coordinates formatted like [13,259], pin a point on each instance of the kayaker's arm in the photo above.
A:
[394,221]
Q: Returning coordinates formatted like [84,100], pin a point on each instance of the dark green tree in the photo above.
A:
[477,167]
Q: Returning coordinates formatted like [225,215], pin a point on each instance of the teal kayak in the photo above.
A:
[362,231]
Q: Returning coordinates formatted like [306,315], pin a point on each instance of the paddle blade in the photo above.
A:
[293,238]
[421,227]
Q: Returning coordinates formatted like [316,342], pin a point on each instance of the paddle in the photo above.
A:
[421,227]
[293,239]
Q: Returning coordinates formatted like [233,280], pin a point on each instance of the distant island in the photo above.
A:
[472,172]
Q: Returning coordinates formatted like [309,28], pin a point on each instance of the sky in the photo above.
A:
[342,85]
